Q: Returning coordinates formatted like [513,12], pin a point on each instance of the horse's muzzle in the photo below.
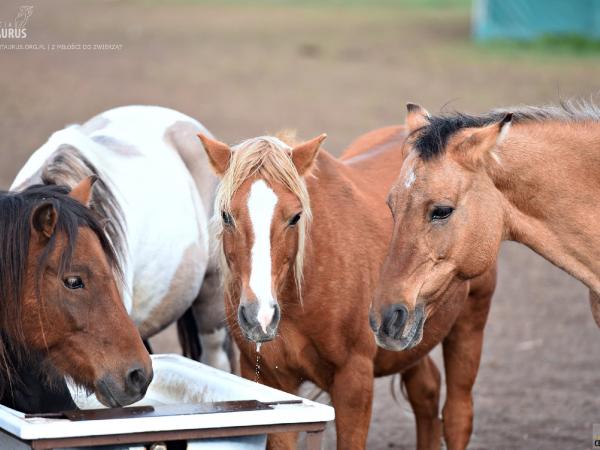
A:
[400,329]
[253,327]
[131,388]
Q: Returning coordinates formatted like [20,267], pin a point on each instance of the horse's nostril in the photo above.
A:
[243,315]
[394,320]
[276,314]
[137,379]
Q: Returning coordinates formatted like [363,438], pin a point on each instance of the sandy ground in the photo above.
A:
[246,70]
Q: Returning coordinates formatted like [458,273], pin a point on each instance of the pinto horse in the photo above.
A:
[303,236]
[146,156]
[61,307]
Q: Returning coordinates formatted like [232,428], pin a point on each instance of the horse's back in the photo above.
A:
[368,142]
[377,157]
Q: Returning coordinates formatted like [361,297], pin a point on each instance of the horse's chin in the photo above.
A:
[258,336]
[397,345]
[107,399]
[110,395]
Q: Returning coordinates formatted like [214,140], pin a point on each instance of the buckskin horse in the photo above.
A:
[526,174]
[61,307]
[303,236]
[146,156]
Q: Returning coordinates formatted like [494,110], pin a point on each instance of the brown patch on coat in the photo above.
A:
[118,146]
[94,124]
[182,137]
[172,306]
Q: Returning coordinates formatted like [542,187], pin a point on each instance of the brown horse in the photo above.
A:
[303,236]
[60,296]
[526,174]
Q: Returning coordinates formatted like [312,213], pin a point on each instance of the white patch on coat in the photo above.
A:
[261,206]
[501,137]
[410,179]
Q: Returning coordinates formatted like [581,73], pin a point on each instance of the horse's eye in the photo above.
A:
[73,282]
[441,212]
[227,219]
[294,220]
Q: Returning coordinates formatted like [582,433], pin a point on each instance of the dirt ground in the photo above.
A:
[245,70]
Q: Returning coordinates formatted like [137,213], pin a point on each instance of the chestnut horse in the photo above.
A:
[469,182]
[303,236]
[146,156]
[61,308]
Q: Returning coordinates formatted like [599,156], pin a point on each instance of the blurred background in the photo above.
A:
[343,67]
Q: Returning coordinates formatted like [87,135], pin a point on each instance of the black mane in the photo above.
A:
[16,209]
[431,140]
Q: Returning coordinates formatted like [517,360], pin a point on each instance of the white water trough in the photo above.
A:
[177,381]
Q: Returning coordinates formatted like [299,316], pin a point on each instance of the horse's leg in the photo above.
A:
[209,311]
[187,332]
[276,441]
[352,397]
[462,353]
[595,304]
[422,382]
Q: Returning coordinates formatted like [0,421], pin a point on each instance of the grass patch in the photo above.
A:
[545,46]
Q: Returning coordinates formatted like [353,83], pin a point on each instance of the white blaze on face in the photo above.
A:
[261,206]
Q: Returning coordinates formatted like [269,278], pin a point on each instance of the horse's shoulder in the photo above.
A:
[373,139]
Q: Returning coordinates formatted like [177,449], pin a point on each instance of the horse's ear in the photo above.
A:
[484,141]
[43,219]
[303,155]
[82,191]
[219,154]
[416,117]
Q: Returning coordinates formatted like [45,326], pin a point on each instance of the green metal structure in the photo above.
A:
[531,19]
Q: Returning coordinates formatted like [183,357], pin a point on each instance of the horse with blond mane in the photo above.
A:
[303,236]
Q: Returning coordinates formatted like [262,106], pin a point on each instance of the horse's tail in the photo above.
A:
[187,333]
[401,386]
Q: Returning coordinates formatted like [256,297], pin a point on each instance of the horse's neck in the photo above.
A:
[549,175]
[350,230]
[30,385]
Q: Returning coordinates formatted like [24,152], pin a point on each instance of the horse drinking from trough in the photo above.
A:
[155,191]
[303,236]
[61,308]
